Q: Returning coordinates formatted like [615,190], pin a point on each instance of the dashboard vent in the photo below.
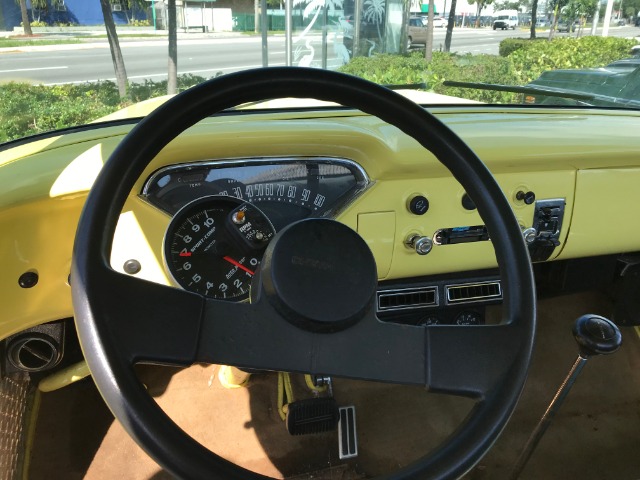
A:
[407,298]
[473,292]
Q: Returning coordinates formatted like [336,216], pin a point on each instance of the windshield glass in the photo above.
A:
[69,62]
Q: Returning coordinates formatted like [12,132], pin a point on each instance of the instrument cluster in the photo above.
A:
[224,213]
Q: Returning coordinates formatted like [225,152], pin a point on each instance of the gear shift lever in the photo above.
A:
[595,335]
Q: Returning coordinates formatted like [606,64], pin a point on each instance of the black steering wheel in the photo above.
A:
[289,325]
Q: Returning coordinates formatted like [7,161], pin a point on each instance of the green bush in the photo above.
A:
[510,45]
[140,23]
[413,68]
[533,58]
[27,109]
[387,69]
[525,62]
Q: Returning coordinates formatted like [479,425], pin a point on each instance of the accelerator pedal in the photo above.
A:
[312,415]
[347,439]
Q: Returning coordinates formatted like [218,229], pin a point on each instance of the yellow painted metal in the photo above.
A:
[607,212]
[43,186]
[64,377]
[378,230]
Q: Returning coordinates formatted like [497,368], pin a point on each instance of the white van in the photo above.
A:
[504,19]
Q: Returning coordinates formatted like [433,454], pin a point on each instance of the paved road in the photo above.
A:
[202,56]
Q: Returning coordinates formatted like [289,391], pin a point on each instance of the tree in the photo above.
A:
[557,6]
[428,48]
[172,81]
[114,46]
[450,25]
[480,5]
[579,9]
[37,7]
[130,7]
[26,25]
[534,19]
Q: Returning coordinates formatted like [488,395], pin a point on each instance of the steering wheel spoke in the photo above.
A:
[469,360]
[255,336]
[148,321]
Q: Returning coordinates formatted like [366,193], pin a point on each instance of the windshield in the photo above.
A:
[69,62]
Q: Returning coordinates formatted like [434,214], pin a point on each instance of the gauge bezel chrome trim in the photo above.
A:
[363,182]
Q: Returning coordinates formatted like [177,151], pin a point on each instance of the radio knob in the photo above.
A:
[529,234]
[527,197]
[422,245]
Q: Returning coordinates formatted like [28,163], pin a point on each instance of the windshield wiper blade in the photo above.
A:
[530,89]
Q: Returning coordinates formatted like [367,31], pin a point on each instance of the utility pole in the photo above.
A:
[607,18]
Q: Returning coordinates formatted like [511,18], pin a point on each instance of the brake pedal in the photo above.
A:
[312,415]
[347,438]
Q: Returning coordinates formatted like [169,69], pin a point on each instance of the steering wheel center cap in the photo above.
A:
[319,275]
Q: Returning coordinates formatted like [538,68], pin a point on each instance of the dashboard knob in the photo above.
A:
[421,245]
[527,197]
[419,205]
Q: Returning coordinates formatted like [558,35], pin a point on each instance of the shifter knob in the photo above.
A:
[596,335]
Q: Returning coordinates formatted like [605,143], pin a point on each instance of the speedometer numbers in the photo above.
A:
[214,244]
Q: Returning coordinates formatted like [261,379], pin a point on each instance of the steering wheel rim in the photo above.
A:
[112,364]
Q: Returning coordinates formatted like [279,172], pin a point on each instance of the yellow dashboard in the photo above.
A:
[584,162]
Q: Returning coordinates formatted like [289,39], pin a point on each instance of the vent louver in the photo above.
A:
[473,292]
[409,298]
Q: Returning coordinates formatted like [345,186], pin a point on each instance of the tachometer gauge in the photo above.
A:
[213,246]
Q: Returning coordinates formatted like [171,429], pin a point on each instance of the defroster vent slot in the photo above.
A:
[407,298]
[473,292]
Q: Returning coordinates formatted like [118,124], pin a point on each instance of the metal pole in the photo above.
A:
[153,13]
[545,421]
[607,18]
[265,46]
[288,34]
[325,19]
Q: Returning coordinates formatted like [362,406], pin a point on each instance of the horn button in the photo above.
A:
[319,275]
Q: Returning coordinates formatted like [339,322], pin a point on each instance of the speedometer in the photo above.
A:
[213,246]
[286,189]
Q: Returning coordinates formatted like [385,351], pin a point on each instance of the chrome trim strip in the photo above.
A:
[361,175]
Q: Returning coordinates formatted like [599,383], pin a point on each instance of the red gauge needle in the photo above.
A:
[238,264]
[185,254]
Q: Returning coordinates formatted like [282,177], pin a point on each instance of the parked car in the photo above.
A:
[438,22]
[504,19]
[614,85]
[416,32]
[566,27]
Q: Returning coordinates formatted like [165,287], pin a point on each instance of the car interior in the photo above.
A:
[295,273]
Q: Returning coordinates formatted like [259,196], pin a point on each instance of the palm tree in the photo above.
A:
[428,48]
[534,19]
[114,45]
[26,25]
[172,81]
[450,25]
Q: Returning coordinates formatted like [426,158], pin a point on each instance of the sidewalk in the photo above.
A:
[126,36]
